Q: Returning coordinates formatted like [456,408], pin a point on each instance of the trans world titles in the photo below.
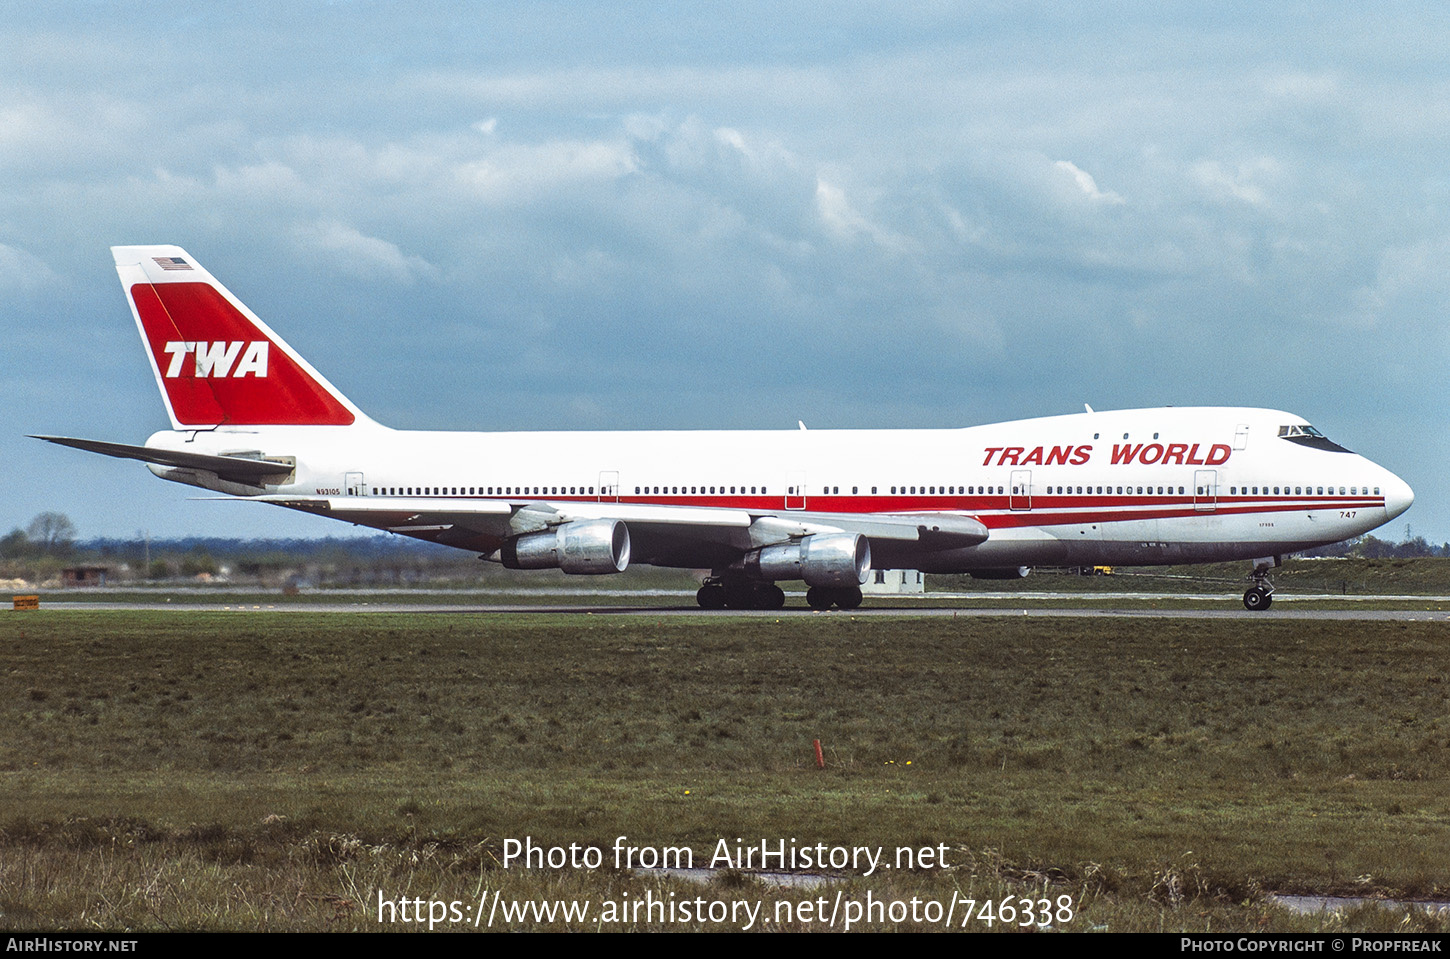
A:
[1145,454]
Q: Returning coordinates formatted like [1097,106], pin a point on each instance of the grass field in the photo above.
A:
[283,770]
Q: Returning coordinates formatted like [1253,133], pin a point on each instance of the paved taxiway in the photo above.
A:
[881,609]
[556,600]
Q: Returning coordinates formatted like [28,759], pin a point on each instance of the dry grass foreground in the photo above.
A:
[190,770]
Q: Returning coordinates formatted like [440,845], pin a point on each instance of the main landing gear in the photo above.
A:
[722,593]
[824,597]
[1258,596]
[718,593]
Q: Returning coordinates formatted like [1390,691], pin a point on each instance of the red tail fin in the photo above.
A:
[216,362]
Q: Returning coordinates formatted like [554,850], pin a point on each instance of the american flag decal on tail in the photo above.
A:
[171,263]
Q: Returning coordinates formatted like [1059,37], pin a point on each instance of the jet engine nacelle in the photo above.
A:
[586,547]
[825,559]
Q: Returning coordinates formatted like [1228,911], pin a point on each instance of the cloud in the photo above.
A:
[628,86]
[1410,292]
[22,271]
[1243,183]
[1047,206]
[519,173]
[270,181]
[1086,184]
[845,222]
[838,214]
[358,255]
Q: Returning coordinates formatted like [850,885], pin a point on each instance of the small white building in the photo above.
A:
[894,582]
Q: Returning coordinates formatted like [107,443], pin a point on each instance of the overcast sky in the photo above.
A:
[640,215]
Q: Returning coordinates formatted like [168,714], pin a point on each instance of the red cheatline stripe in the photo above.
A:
[995,512]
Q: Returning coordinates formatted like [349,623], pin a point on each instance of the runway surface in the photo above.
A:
[878,609]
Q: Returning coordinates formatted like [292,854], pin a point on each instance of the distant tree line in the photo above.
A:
[49,543]
[38,553]
[1372,547]
[49,534]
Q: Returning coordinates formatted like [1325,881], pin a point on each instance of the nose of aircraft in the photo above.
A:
[1398,496]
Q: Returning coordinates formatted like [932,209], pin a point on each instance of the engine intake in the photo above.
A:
[588,547]
[825,559]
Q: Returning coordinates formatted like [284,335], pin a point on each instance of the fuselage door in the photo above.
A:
[1205,490]
[353,483]
[609,486]
[1021,494]
[795,489]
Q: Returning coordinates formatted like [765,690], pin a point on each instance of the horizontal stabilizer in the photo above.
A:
[238,469]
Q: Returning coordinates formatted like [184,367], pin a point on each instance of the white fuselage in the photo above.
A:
[1137,486]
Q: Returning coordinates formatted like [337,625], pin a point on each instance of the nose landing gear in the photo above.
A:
[1258,596]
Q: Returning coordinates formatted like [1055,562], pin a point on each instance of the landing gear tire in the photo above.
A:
[740,595]
[824,597]
[1257,599]
[711,596]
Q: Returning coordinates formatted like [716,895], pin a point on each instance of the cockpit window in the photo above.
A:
[1306,435]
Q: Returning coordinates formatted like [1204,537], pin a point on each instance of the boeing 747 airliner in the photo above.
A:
[251,418]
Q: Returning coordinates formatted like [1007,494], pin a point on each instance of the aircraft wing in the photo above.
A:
[246,468]
[686,536]
[680,536]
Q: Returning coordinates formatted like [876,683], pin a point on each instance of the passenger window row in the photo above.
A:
[835,490]
[483,490]
[1300,491]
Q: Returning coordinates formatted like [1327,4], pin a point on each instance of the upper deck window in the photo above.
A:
[1306,435]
